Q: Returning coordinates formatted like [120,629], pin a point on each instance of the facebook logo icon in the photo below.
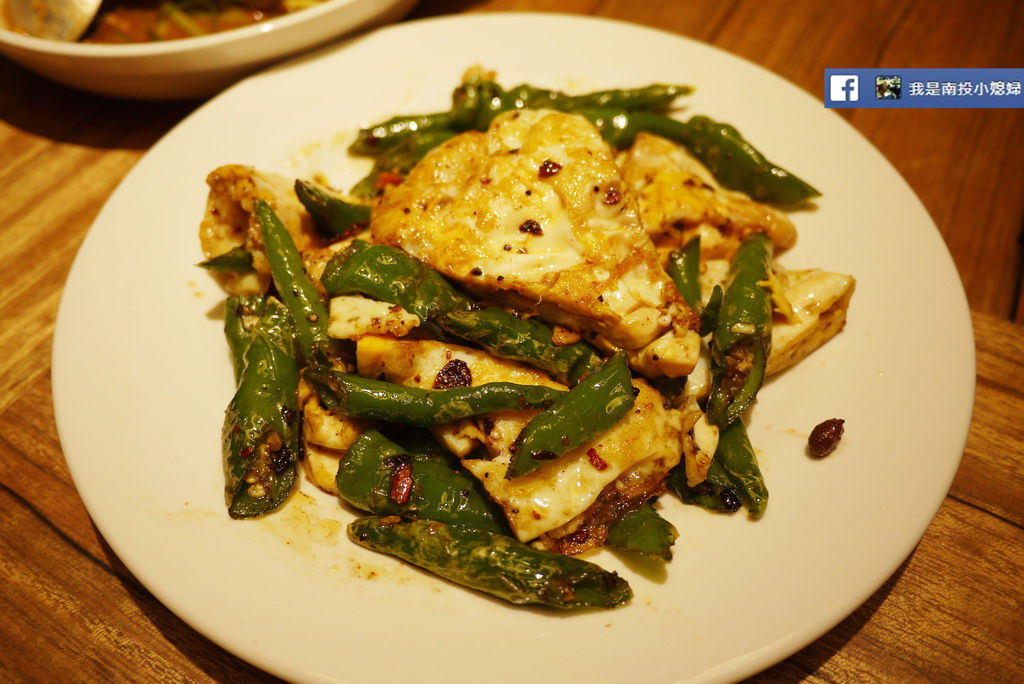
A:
[844,87]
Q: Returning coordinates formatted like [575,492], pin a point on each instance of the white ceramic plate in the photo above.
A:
[194,67]
[141,377]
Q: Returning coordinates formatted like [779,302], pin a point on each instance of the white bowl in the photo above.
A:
[194,67]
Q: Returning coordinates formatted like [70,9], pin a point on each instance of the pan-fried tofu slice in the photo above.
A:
[810,308]
[326,438]
[819,301]
[353,316]
[679,198]
[230,221]
[558,492]
[532,214]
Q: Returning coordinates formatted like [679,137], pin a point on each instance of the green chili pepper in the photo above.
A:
[643,531]
[390,275]
[494,564]
[381,477]
[488,99]
[242,314]
[709,314]
[476,102]
[360,397]
[397,161]
[733,161]
[741,339]
[261,435]
[237,260]
[378,138]
[736,456]
[684,269]
[505,335]
[298,292]
[590,408]
[734,478]
[333,217]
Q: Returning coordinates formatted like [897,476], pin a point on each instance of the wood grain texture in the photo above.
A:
[954,612]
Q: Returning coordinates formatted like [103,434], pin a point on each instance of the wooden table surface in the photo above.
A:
[954,611]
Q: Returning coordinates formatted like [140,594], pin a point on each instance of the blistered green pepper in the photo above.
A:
[261,433]
[741,340]
[643,531]
[733,161]
[395,162]
[733,480]
[333,216]
[390,275]
[237,260]
[380,476]
[298,292]
[684,268]
[359,397]
[477,101]
[528,340]
[590,408]
[495,564]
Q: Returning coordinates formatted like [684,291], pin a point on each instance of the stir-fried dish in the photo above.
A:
[144,21]
[538,314]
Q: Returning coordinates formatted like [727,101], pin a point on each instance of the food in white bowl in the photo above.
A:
[197,66]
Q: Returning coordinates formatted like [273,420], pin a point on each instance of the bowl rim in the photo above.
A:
[168,47]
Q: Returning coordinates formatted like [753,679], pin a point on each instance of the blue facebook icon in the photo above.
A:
[844,88]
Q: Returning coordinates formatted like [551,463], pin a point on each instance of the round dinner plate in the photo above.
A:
[141,377]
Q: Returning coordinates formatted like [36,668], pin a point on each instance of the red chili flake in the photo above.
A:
[532,227]
[612,197]
[246,452]
[455,373]
[401,480]
[386,179]
[596,460]
[549,168]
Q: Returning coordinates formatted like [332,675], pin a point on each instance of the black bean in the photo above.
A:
[825,437]
[730,499]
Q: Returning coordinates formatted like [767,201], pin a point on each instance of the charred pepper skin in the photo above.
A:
[590,408]
[378,138]
[495,564]
[734,470]
[242,314]
[261,435]
[237,260]
[645,532]
[309,313]
[333,217]
[733,161]
[476,103]
[390,275]
[741,340]
[439,489]
[683,268]
[527,340]
[400,142]
[359,397]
